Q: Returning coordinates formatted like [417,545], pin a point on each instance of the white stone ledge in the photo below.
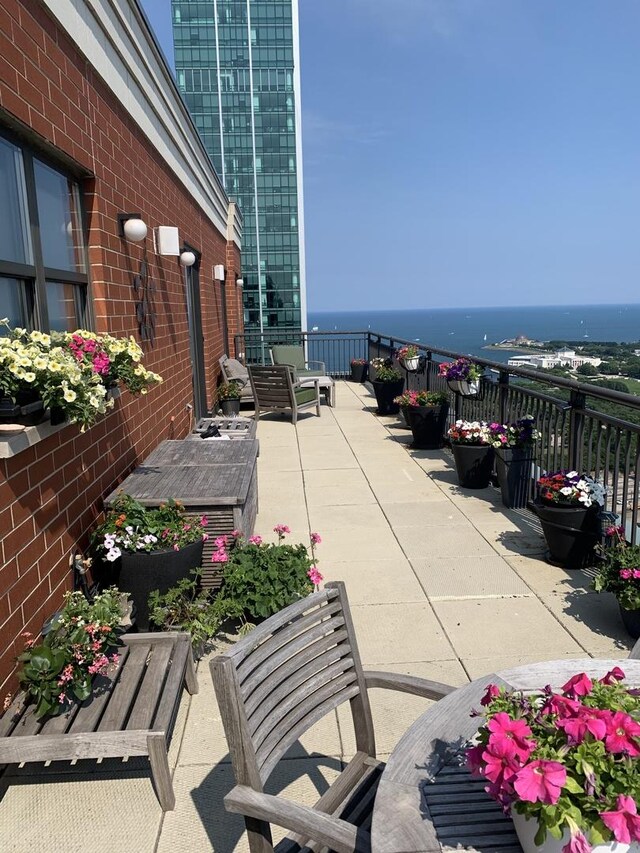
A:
[11,445]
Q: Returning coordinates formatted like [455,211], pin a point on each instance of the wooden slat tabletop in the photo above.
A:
[206,453]
[427,802]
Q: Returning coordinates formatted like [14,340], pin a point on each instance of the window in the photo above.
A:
[43,268]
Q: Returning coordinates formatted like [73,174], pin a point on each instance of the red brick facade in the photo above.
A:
[50,494]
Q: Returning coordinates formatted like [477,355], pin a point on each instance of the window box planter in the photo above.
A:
[513,465]
[571,532]
[474,464]
[428,425]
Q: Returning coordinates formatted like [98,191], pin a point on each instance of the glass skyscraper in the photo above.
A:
[238,67]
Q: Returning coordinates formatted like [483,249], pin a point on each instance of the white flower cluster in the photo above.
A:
[130,540]
[586,490]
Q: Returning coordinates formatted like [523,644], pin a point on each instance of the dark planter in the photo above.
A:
[404,411]
[513,465]
[57,416]
[474,463]
[385,393]
[231,406]
[359,372]
[631,619]
[428,424]
[143,572]
[28,410]
[571,532]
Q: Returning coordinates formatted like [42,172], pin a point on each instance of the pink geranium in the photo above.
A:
[540,781]
[255,540]
[314,576]
[315,539]
[624,822]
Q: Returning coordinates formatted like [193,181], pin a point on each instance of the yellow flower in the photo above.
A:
[29,377]
[70,395]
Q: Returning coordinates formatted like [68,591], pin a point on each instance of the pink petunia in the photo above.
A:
[204,521]
[577,844]
[579,685]
[474,759]
[625,574]
[540,781]
[490,693]
[615,674]
[512,735]
[624,823]
[562,706]
[622,734]
[576,728]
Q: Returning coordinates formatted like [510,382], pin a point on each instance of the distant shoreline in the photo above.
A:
[526,350]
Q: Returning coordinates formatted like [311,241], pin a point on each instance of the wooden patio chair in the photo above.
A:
[274,685]
[234,371]
[294,355]
[275,388]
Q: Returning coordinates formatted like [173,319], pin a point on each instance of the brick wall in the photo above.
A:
[50,495]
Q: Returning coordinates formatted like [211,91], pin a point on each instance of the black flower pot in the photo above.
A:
[631,619]
[571,532]
[142,572]
[404,411]
[513,465]
[474,463]
[359,372]
[385,393]
[231,406]
[57,416]
[428,424]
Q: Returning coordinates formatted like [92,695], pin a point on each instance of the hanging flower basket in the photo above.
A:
[465,388]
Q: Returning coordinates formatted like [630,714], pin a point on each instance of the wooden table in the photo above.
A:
[427,801]
[218,479]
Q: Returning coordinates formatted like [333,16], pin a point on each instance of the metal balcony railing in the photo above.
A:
[584,427]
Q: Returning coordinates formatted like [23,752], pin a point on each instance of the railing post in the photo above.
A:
[577,401]
[427,370]
[503,385]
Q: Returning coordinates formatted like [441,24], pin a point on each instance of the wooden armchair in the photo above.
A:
[274,685]
[276,388]
[294,355]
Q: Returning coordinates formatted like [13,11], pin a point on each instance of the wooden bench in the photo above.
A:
[131,711]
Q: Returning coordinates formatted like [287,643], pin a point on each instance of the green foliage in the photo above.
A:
[619,572]
[612,385]
[74,650]
[385,371]
[187,608]
[261,579]
[587,370]
[610,368]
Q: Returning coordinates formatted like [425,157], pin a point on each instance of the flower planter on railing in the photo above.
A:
[464,387]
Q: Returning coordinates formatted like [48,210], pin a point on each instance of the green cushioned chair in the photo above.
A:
[294,355]
[275,388]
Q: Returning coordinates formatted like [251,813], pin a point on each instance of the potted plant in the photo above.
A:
[568,507]
[228,397]
[619,573]
[472,453]
[513,445]
[387,385]
[154,546]
[359,369]
[261,578]
[408,357]
[60,668]
[426,414]
[462,375]
[186,607]
[565,765]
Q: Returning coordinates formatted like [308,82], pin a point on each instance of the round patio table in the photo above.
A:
[427,801]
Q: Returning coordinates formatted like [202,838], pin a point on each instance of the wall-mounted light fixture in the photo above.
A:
[239,281]
[187,258]
[131,227]
[218,272]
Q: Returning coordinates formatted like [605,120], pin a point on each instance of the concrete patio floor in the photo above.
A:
[443,583]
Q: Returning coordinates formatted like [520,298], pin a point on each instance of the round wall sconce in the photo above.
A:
[240,282]
[131,227]
[187,259]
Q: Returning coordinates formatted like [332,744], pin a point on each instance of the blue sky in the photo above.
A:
[468,152]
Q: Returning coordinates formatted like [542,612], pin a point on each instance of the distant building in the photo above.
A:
[238,68]
[562,358]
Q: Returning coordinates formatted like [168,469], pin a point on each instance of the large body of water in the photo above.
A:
[464,329]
